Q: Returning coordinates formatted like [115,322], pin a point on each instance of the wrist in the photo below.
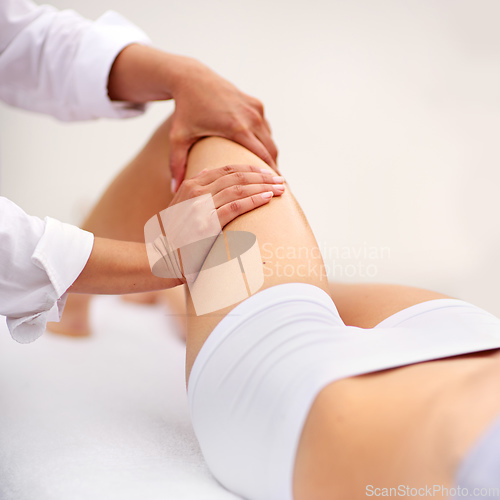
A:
[180,72]
[141,74]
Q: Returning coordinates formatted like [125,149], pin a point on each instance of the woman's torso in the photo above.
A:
[403,427]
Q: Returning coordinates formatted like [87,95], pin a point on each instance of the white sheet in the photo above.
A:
[100,418]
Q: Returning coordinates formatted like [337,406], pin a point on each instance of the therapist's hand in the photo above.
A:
[208,105]
[235,189]
[205,103]
[117,267]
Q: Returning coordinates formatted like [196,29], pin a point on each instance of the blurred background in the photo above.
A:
[386,113]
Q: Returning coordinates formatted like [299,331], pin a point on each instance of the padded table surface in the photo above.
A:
[103,417]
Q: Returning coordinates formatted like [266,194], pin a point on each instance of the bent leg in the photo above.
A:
[279,225]
[282,225]
[143,189]
[290,254]
[367,304]
[140,190]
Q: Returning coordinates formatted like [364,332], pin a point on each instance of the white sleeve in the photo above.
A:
[58,63]
[39,261]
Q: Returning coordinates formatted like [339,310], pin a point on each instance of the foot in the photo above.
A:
[75,319]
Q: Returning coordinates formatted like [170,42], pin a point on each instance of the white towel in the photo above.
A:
[103,417]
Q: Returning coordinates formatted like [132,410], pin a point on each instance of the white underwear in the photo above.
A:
[257,375]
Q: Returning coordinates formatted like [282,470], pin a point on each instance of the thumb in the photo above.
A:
[178,158]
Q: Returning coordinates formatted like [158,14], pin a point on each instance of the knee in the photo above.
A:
[215,152]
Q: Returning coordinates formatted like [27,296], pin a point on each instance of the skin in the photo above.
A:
[356,424]
[205,103]
[123,267]
[118,263]
[409,425]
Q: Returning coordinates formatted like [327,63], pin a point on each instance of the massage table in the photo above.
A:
[103,417]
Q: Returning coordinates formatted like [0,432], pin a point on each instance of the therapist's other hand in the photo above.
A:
[208,105]
[235,189]
[205,103]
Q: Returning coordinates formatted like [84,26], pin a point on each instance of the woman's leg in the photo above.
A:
[367,304]
[281,229]
[290,254]
[140,190]
[143,189]
[404,400]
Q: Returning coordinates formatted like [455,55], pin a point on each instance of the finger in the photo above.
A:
[239,192]
[249,140]
[230,211]
[208,176]
[267,125]
[264,136]
[256,104]
[244,179]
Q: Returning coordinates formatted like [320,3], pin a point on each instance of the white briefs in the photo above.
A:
[257,375]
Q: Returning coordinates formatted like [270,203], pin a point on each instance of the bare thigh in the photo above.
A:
[367,304]
[279,224]
[139,191]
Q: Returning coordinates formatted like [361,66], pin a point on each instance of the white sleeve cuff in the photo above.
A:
[62,253]
[98,49]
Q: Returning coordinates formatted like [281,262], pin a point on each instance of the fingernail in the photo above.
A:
[173,185]
[265,171]
[267,195]
[278,180]
[279,187]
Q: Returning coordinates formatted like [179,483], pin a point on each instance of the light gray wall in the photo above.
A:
[387,115]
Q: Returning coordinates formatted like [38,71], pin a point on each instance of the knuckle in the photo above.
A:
[192,188]
[240,178]
[238,190]
[255,117]
[241,127]
[259,106]
[256,104]
[196,191]
[228,169]
[234,207]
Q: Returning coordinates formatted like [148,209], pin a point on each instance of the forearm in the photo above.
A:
[141,74]
[118,267]
[205,103]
